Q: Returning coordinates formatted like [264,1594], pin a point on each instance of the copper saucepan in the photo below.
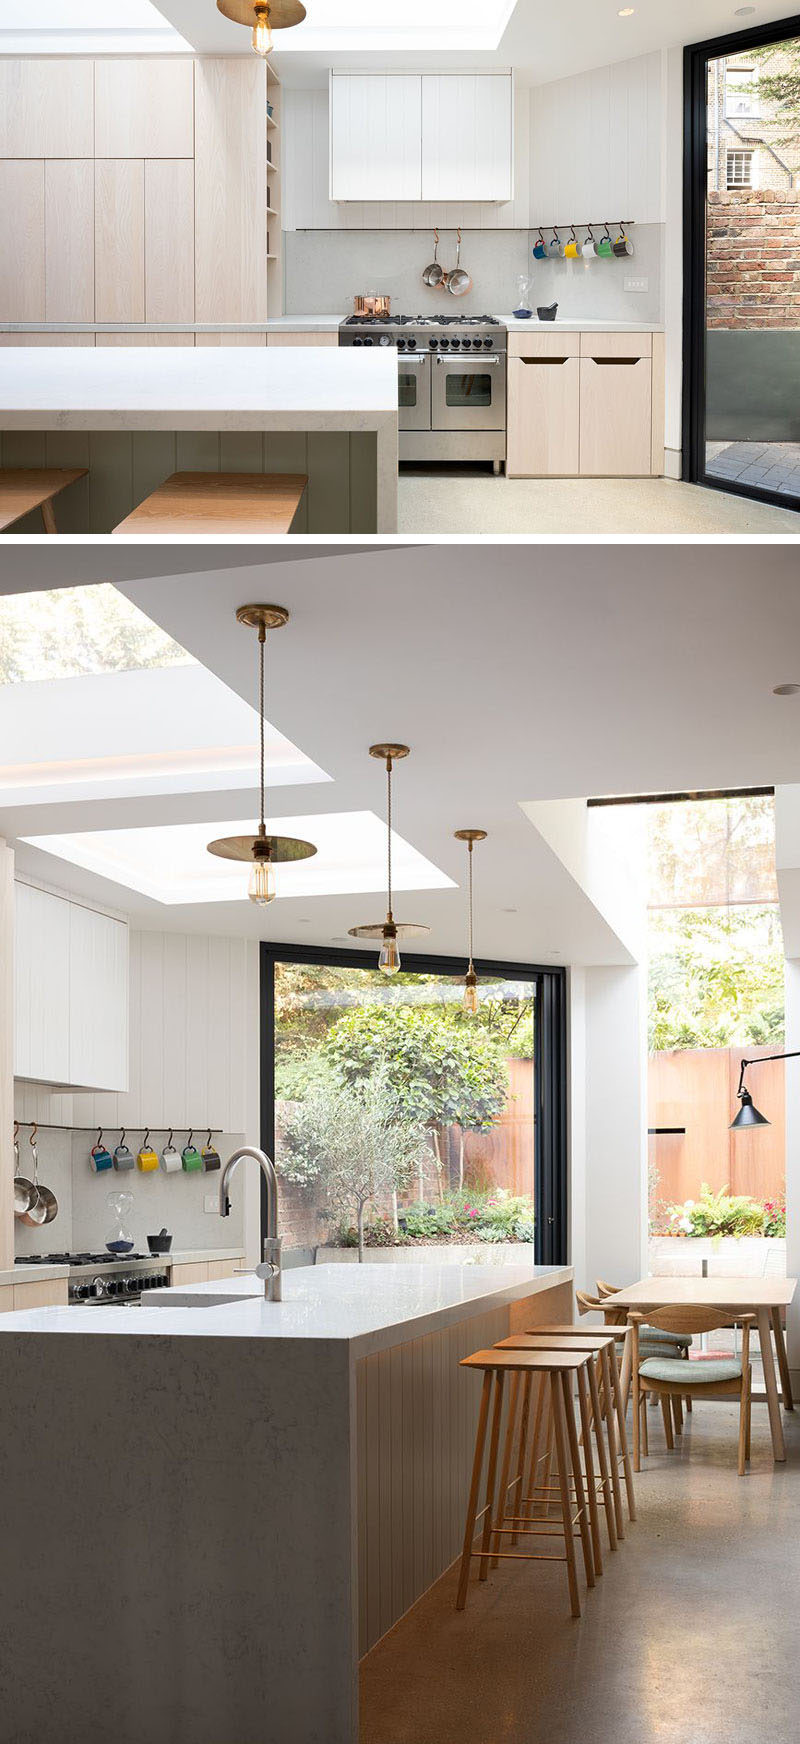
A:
[371,305]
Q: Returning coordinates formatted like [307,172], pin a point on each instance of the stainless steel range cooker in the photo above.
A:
[104,1277]
[451,382]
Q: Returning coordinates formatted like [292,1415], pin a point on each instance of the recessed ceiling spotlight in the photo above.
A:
[785,689]
[743,11]
[626,11]
[509,911]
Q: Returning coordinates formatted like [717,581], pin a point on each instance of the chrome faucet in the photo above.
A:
[270,1268]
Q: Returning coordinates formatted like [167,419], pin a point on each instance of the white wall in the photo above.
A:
[194,1040]
[596,145]
[608,1140]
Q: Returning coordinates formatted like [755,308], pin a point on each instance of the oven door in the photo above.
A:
[469,393]
[414,390]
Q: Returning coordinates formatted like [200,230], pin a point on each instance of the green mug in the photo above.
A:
[605,247]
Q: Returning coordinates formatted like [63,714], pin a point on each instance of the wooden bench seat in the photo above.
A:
[25,488]
[219,503]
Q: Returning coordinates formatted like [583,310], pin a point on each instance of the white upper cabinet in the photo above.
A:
[422,136]
[70,993]
[375,136]
[467,137]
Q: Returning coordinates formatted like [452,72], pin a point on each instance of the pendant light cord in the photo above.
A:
[262,640]
[389,829]
[470,903]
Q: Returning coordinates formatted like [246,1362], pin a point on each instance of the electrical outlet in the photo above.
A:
[637,284]
[211,1204]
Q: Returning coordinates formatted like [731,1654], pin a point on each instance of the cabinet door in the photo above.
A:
[230,189]
[169,239]
[467,140]
[119,239]
[144,108]
[46,107]
[302,338]
[69,239]
[543,416]
[188,1274]
[98,1000]
[375,134]
[52,1294]
[22,253]
[41,986]
[616,419]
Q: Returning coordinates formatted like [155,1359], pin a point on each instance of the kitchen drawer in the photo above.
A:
[616,344]
[616,418]
[222,1268]
[302,338]
[50,1293]
[543,417]
[192,1272]
[538,343]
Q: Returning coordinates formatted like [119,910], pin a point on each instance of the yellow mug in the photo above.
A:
[573,249]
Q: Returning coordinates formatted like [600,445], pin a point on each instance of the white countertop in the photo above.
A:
[32,1274]
[579,324]
[180,388]
[23,1274]
[369,1307]
[309,324]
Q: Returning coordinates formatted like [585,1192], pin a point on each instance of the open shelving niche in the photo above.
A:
[274,234]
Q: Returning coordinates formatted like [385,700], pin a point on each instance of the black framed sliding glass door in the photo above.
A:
[482,1101]
[741,406]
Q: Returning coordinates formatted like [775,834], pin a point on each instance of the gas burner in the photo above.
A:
[77,1259]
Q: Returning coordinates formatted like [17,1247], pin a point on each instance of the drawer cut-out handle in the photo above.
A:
[538,360]
[619,360]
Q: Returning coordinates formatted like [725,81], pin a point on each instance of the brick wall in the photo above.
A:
[753,267]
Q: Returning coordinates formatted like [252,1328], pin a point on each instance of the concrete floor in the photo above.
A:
[458,501]
[690,1636]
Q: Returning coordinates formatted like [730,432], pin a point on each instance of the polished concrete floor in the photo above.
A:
[461,501]
[690,1636]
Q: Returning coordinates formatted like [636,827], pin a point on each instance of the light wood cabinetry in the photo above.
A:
[616,420]
[375,136]
[119,239]
[429,136]
[230,190]
[22,253]
[202,1271]
[144,108]
[289,338]
[467,137]
[46,107]
[50,1293]
[6,1298]
[69,239]
[589,404]
[169,239]
[70,992]
[222,1268]
[230,339]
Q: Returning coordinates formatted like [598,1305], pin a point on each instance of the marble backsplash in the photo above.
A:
[325,269]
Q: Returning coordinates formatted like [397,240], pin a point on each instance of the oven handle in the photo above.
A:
[460,361]
[412,357]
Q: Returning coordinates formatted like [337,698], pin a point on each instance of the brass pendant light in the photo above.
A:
[263,16]
[470,1000]
[262,851]
[390,930]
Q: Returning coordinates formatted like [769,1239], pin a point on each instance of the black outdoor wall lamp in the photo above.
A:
[748,1114]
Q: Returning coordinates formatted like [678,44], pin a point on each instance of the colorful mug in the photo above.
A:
[605,248]
[573,249]
[589,249]
[623,245]
[555,248]
[539,250]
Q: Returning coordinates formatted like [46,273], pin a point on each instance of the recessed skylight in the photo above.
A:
[70,631]
[172,865]
[85,27]
[428,24]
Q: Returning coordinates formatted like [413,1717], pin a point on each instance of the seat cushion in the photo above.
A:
[659,1335]
[696,1374]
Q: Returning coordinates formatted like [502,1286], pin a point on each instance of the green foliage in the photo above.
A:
[779,89]
[469,1216]
[718,1213]
[716,978]
[300,1072]
[75,631]
[445,1070]
[775,1217]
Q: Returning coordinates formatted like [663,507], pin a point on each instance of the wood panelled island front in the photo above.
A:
[254,1491]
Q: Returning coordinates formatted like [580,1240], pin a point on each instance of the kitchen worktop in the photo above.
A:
[578,324]
[367,1308]
[315,324]
[189,1256]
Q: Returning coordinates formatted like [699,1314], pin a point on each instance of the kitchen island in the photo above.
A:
[133,415]
[242,1496]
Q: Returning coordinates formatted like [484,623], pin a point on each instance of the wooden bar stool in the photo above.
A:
[611,1385]
[26,488]
[556,1369]
[593,1419]
[219,503]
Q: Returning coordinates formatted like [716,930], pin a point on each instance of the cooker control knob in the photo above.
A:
[81,1292]
[358,341]
[433,343]
[97,1288]
[401,345]
[369,342]
[488,344]
[131,1286]
[444,343]
[384,339]
[412,344]
[112,1287]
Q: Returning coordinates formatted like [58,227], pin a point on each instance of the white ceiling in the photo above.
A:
[542,41]
[516,673]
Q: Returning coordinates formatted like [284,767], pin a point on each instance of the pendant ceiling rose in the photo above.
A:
[470,1002]
[282,13]
[261,851]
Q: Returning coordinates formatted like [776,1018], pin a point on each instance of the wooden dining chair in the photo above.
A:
[668,1378]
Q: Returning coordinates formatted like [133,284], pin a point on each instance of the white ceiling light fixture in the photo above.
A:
[263,16]
[388,931]
[262,851]
[470,979]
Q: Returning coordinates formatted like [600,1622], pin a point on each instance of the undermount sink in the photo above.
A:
[183,1299]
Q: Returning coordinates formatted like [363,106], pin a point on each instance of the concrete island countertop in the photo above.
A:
[368,1308]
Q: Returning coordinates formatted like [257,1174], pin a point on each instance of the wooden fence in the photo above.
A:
[695,1088]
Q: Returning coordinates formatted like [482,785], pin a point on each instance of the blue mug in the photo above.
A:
[539,250]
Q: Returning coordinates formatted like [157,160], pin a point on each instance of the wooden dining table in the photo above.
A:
[765,1298]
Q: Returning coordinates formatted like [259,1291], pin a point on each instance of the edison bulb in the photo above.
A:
[261,888]
[470,1000]
[389,959]
[262,34]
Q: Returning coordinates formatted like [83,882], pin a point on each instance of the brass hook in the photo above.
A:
[99,1139]
[146,1137]
[122,1138]
[169,1140]
[189,1139]
[34,1130]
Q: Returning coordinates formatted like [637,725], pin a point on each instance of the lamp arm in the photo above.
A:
[793,1055]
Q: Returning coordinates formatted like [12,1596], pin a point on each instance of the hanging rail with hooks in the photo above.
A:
[585,224]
